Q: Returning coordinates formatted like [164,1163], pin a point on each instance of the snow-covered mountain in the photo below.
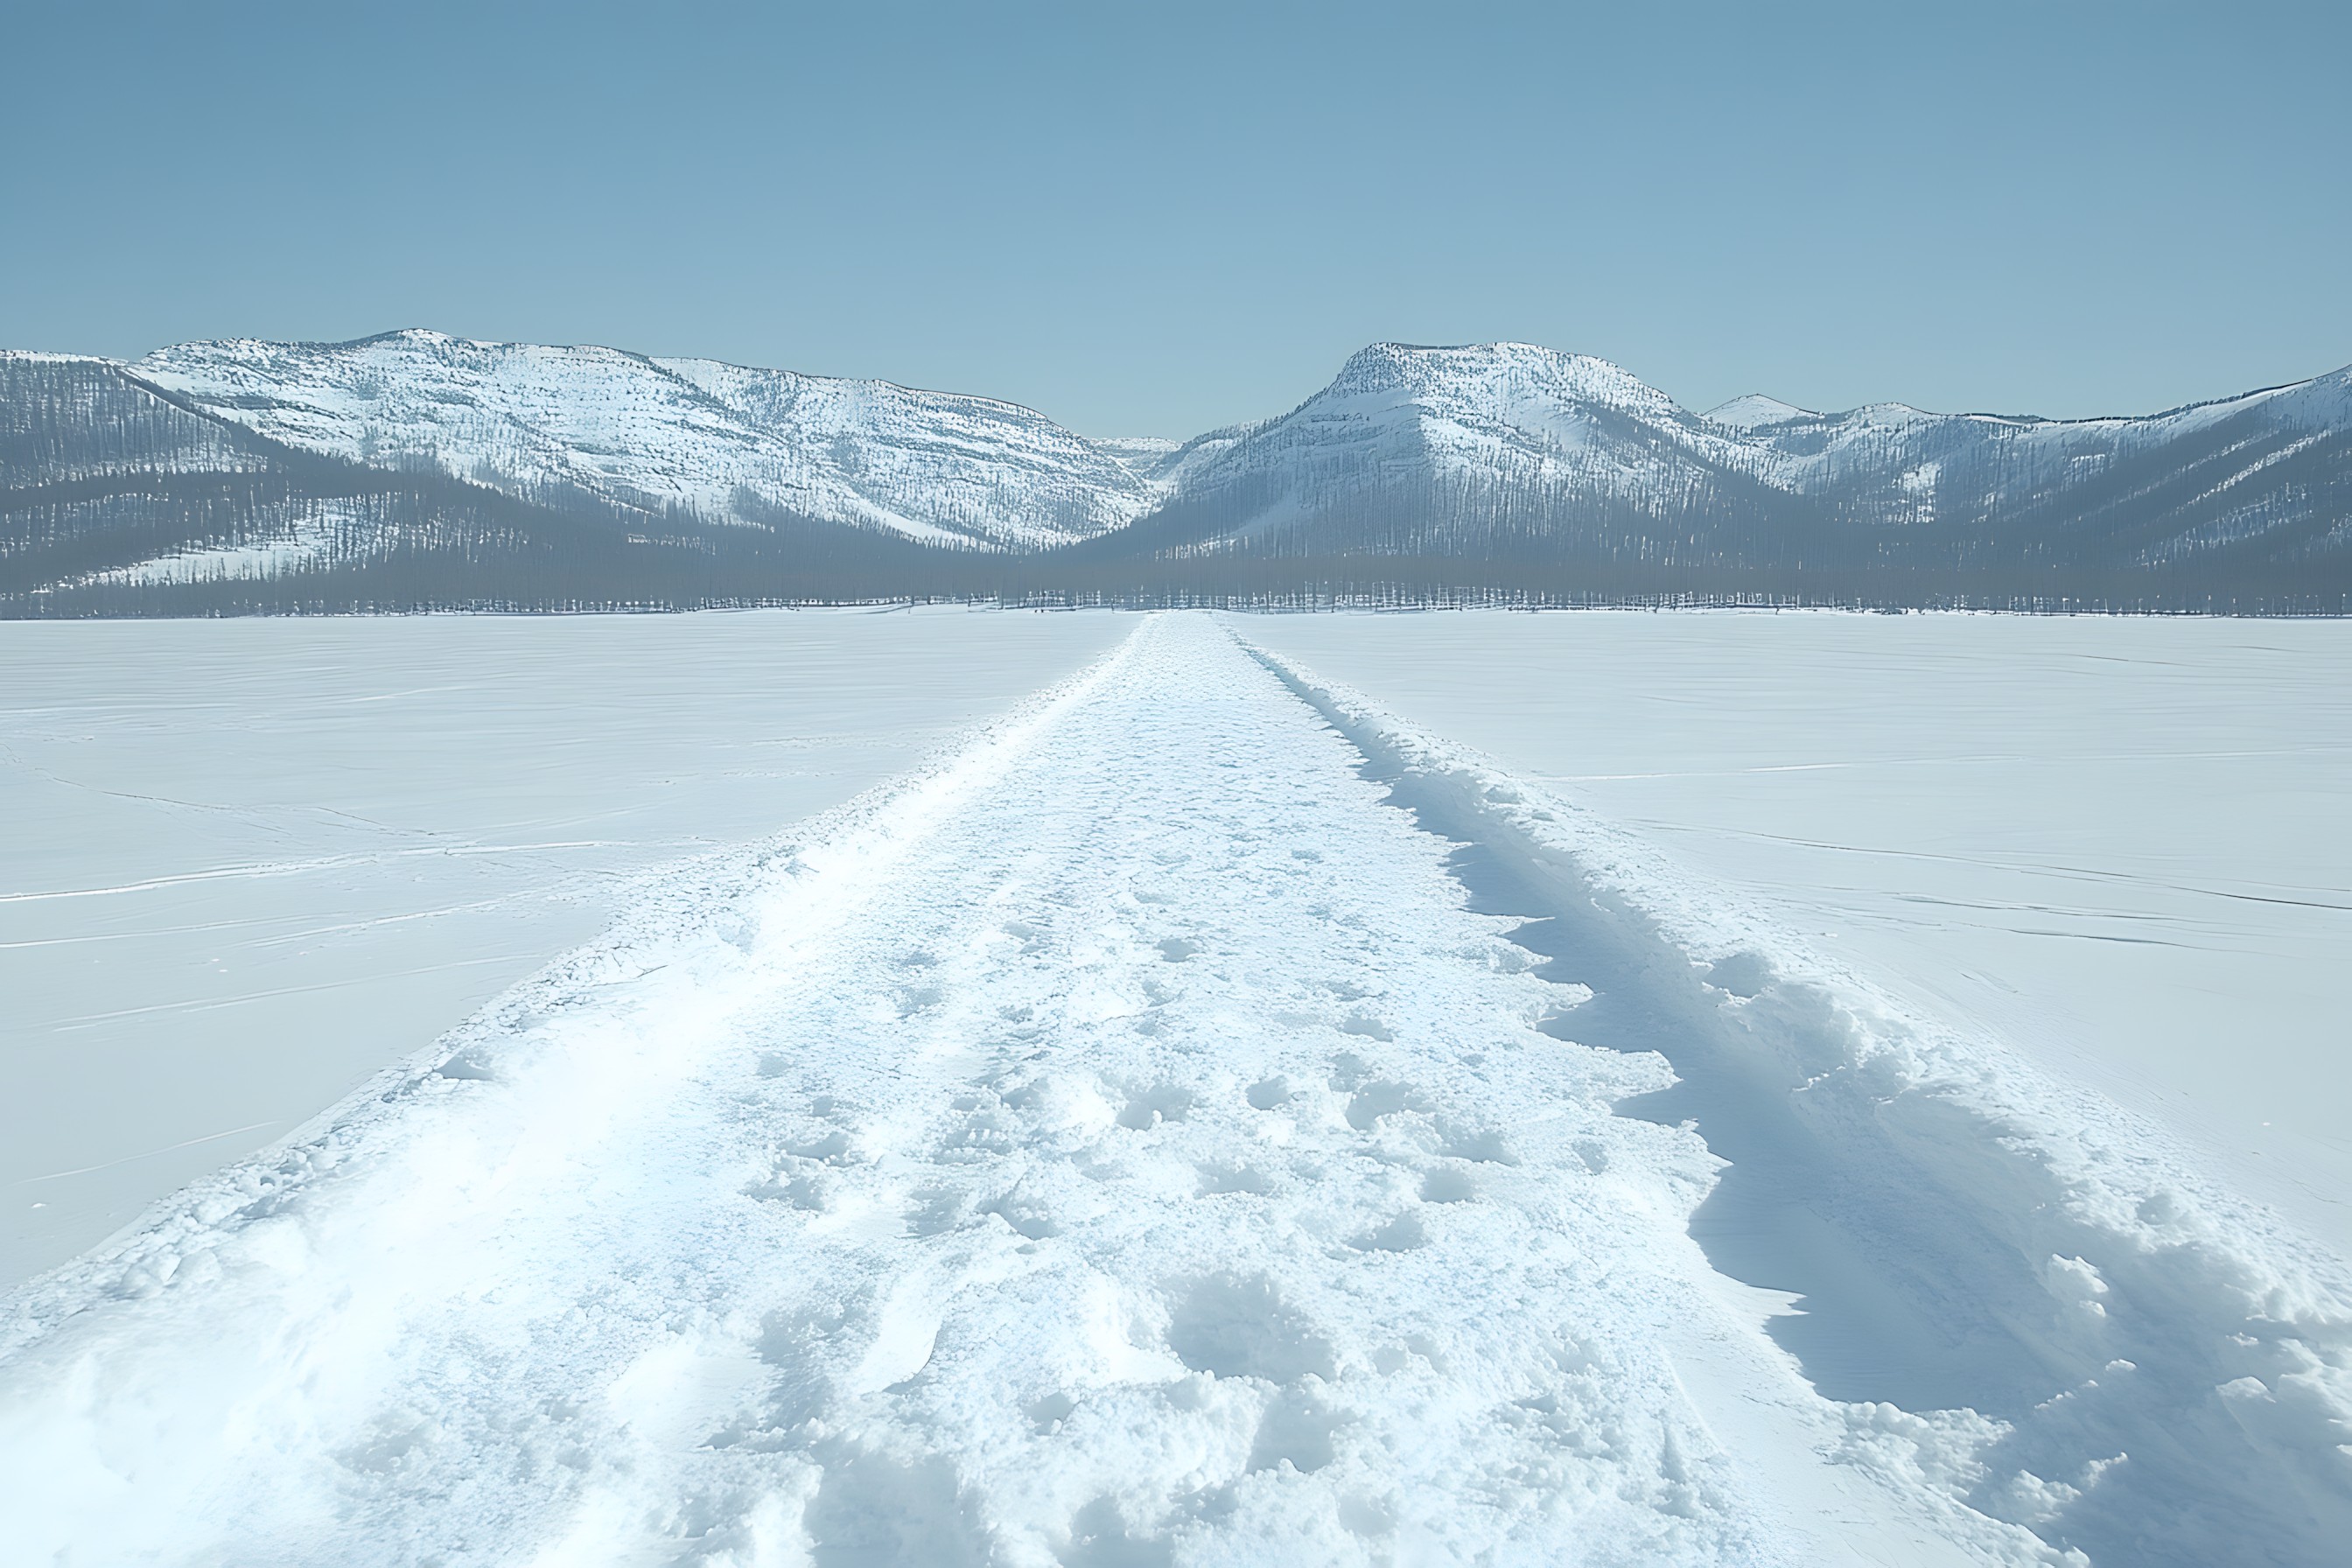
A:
[417,468]
[1755,410]
[1508,415]
[720,441]
[2264,473]
[1439,451]
[1510,452]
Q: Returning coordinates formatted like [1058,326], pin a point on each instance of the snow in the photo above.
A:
[1584,436]
[311,538]
[1823,452]
[1512,413]
[1755,410]
[1203,1117]
[1513,425]
[2021,1294]
[696,433]
[250,863]
[1516,418]
[2115,842]
[2244,522]
[1146,456]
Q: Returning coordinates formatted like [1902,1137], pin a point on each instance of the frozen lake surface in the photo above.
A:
[1212,1114]
[248,863]
[2122,845]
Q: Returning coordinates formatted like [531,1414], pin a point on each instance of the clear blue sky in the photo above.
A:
[1152,219]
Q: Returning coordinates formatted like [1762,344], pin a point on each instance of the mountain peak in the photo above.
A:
[427,337]
[1484,372]
[1755,411]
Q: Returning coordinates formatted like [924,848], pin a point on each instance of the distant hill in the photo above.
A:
[419,470]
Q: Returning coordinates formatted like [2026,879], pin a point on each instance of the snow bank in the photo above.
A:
[2128,1360]
[2114,843]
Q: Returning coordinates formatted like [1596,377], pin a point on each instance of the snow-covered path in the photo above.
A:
[1120,1143]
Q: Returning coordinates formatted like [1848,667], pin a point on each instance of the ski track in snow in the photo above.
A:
[1138,1138]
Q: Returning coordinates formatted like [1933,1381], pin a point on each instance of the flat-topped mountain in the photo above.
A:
[1452,452]
[1512,453]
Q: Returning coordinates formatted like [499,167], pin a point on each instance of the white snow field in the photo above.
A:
[2118,842]
[1202,1120]
[246,864]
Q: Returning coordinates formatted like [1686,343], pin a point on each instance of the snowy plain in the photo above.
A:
[2118,842]
[1208,1115]
[249,863]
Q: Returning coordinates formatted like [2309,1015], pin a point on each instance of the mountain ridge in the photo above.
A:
[470,462]
[659,432]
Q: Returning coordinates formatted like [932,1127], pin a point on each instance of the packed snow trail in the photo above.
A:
[1120,1143]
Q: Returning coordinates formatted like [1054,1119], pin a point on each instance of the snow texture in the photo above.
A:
[300,541]
[717,440]
[1520,416]
[2020,1295]
[1150,1135]
[1756,410]
[1505,416]
[1486,451]
[2114,843]
[250,863]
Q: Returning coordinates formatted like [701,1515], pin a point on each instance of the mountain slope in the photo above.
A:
[417,470]
[724,443]
[2263,476]
[101,476]
[1511,453]
[1454,451]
